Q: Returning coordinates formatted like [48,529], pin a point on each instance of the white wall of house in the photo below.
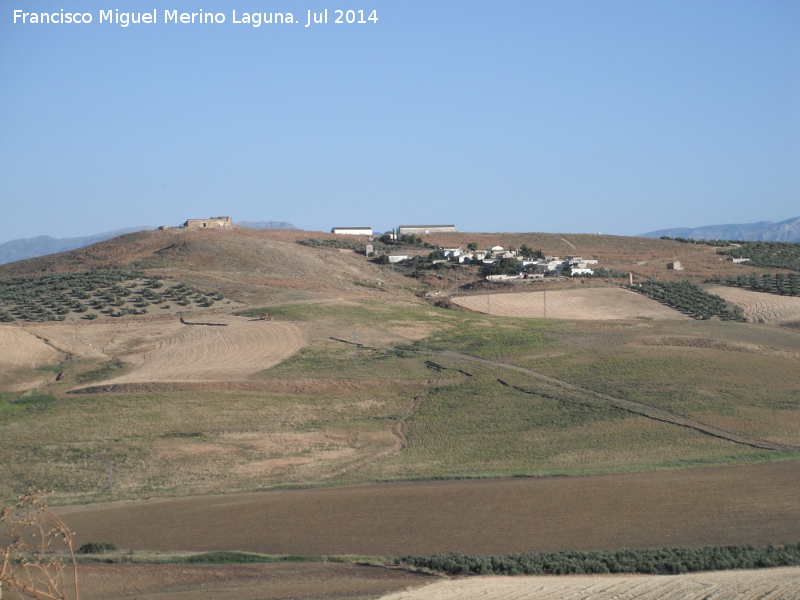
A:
[352,230]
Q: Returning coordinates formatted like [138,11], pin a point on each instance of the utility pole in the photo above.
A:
[355,350]
[544,283]
[110,476]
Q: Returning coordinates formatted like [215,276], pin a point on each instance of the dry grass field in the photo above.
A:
[759,307]
[593,303]
[773,584]
[688,507]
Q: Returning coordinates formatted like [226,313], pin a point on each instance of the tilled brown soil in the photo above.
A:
[241,582]
[755,503]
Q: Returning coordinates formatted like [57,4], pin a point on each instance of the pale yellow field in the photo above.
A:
[588,304]
[203,353]
[760,307]
[783,584]
[167,350]
[21,349]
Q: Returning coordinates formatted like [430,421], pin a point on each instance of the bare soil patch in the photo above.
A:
[759,307]
[166,350]
[20,348]
[242,582]
[589,304]
[691,507]
[204,353]
[783,583]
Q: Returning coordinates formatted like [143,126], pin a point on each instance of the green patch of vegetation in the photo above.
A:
[480,427]
[489,337]
[107,370]
[652,561]
[220,558]
[745,391]
[12,402]
[97,548]
[240,558]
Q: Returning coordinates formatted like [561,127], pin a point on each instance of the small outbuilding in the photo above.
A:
[675,266]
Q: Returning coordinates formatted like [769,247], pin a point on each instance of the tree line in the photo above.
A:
[653,561]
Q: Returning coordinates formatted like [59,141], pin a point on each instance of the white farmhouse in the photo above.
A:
[352,230]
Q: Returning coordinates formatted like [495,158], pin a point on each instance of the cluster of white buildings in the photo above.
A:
[548,265]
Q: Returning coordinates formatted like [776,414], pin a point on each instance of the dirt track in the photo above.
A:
[713,505]
[588,304]
[783,584]
[760,307]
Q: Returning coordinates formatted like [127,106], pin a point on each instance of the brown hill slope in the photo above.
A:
[248,265]
[270,266]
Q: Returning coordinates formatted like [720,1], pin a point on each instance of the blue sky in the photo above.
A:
[598,116]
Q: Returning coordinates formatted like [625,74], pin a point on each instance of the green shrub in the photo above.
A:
[97,548]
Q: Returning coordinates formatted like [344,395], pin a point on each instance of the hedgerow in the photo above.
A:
[666,561]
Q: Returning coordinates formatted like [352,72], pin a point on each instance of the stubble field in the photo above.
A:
[593,303]
[759,307]
[783,584]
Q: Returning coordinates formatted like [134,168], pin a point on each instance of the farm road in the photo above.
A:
[634,407]
[754,503]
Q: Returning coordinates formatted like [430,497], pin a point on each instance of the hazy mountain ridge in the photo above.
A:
[23,248]
[265,224]
[765,231]
[42,245]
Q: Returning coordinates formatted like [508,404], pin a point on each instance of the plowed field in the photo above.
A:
[589,304]
[167,350]
[760,307]
[211,353]
[685,507]
[783,584]
[19,348]
[239,582]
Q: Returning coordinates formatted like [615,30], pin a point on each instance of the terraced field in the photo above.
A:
[588,304]
[783,584]
[759,307]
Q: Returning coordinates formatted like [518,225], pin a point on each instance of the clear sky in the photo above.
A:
[568,116]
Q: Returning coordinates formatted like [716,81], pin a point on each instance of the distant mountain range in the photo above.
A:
[265,224]
[23,248]
[44,244]
[765,231]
